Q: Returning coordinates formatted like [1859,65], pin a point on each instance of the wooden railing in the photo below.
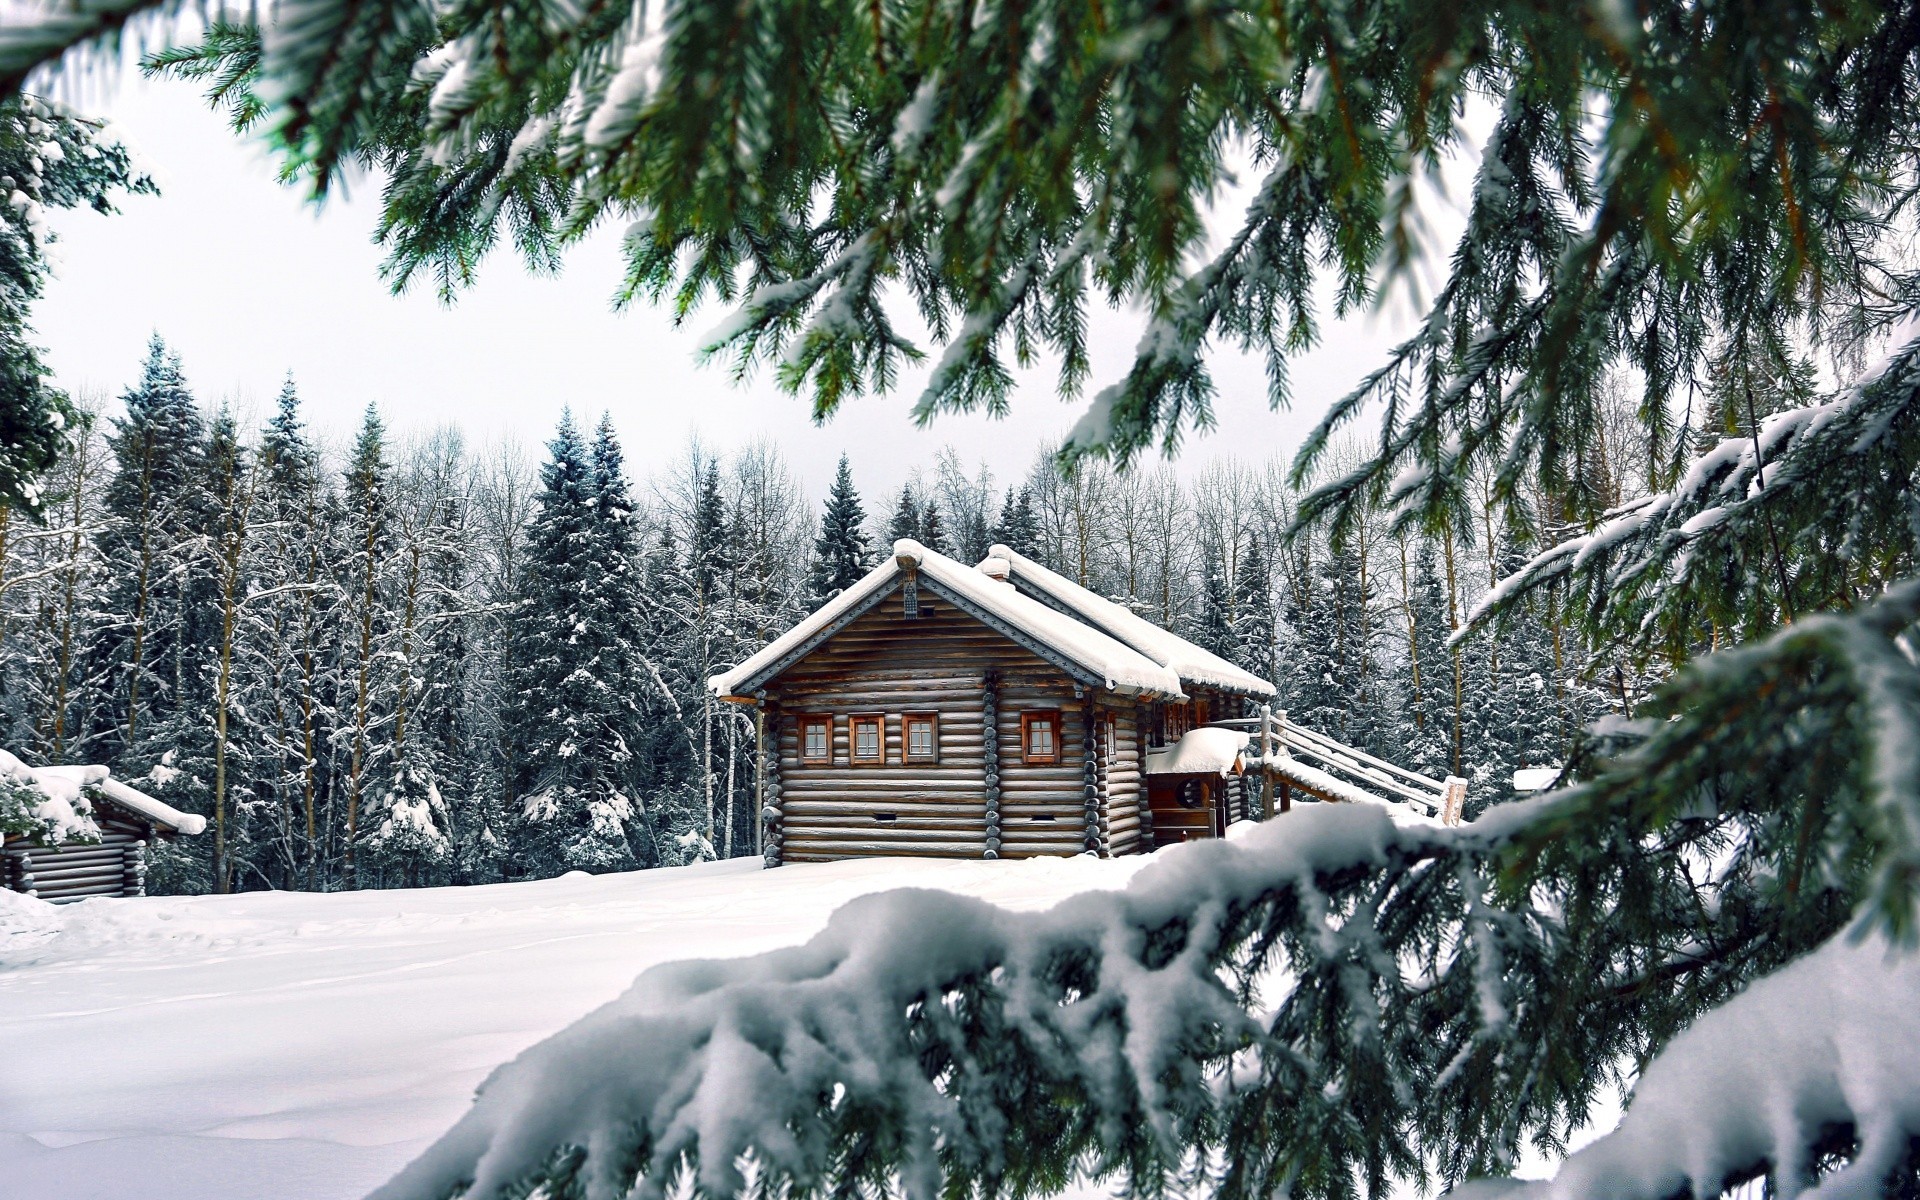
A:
[1278,744]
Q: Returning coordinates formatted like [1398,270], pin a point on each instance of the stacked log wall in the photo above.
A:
[113,866]
[888,664]
[1124,782]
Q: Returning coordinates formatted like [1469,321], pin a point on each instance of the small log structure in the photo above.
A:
[995,711]
[111,863]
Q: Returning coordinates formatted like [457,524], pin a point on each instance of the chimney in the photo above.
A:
[996,568]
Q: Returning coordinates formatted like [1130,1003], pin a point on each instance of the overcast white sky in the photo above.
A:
[248,281]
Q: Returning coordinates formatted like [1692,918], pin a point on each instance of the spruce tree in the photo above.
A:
[572,702]
[906,517]
[49,159]
[1426,733]
[933,530]
[290,676]
[1019,526]
[144,638]
[1254,618]
[366,609]
[841,553]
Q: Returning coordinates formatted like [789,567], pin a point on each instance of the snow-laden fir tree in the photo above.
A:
[574,702]
[841,552]
[144,628]
[49,159]
[905,522]
[933,528]
[1018,528]
[670,747]
[409,819]
[287,675]
[1428,741]
[1254,620]
[365,581]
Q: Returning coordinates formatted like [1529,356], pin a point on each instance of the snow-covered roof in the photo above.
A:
[1191,663]
[141,804]
[70,812]
[1109,659]
[1535,779]
[1203,751]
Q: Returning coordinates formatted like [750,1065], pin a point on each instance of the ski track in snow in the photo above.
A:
[306,1047]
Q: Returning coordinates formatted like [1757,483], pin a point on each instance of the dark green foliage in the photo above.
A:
[906,517]
[841,554]
[48,159]
[578,687]
[1018,528]
[149,652]
[1252,645]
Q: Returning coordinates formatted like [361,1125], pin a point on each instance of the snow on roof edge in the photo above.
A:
[1208,750]
[160,813]
[1117,663]
[1169,649]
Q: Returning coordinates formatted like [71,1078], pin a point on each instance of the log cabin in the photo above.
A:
[989,711]
[107,828]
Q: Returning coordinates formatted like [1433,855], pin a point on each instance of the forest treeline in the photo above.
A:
[408,663]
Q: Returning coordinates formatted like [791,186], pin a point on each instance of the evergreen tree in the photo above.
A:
[289,678]
[572,704]
[1019,526]
[410,821]
[366,695]
[669,772]
[975,537]
[1254,618]
[906,517]
[142,635]
[1426,724]
[933,531]
[49,159]
[841,553]
[1213,625]
[708,637]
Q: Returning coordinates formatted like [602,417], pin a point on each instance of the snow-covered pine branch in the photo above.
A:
[1324,1005]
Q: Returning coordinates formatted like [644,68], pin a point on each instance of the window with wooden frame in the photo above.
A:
[1040,737]
[921,734]
[1179,721]
[868,732]
[816,740]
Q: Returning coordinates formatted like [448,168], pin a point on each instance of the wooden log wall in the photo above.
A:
[990,755]
[116,865]
[1092,837]
[889,664]
[1127,816]
[771,814]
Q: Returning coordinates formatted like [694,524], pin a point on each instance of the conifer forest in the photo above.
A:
[406,661]
[1616,518]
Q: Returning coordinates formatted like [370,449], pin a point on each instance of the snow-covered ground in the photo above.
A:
[306,1047]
